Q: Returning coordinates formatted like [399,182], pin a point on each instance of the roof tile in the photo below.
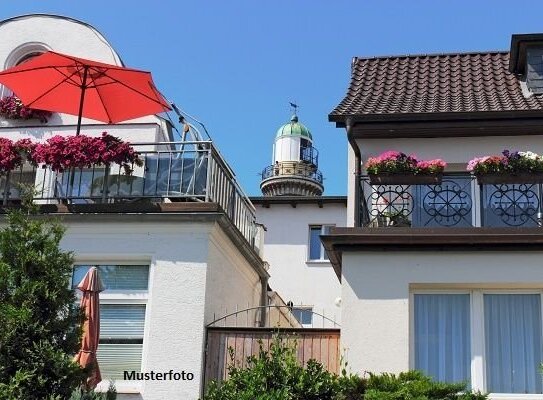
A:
[446,83]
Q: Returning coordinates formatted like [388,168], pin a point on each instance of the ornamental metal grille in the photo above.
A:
[458,201]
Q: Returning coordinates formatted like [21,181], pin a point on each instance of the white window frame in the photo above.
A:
[125,297]
[477,334]
[322,258]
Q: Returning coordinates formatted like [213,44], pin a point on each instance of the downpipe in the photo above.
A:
[357,171]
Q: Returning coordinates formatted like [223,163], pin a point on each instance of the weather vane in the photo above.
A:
[294,107]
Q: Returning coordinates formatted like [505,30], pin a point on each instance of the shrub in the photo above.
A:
[277,375]
[39,319]
[81,394]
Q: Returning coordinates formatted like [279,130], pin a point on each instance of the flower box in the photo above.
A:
[405,179]
[510,178]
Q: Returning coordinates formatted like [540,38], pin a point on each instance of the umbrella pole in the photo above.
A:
[79,117]
[82,99]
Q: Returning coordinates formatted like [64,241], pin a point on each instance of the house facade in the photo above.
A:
[176,242]
[455,290]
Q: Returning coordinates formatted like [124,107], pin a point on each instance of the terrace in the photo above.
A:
[188,171]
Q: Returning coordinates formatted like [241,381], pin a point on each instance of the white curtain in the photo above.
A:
[513,343]
[442,336]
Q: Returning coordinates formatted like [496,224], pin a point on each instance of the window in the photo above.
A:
[500,353]
[28,57]
[513,342]
[316,250]
[304,315]
[122,316]
[442,341]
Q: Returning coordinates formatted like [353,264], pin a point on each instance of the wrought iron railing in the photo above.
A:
[292,169]
[309,155]
[274,316]
[458,201]
[171,171]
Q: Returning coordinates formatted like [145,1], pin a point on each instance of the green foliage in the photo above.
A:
[81,394]
[39,319]
[277,375]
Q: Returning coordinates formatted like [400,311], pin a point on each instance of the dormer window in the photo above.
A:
[526,60]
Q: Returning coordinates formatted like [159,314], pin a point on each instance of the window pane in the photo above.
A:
[122,321]
[513,342]
[442,336]
[303,315]
[315,243]
[114,359]
[121,339]
[117,277]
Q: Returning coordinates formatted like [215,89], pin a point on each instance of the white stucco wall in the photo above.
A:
[286,250]
[376,288]
[174,326]
[191,264]
[232,283]
[48,32]
[132,132]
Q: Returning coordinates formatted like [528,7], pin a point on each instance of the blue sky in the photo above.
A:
[236,64]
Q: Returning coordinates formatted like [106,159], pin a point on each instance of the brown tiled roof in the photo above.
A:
[441,83]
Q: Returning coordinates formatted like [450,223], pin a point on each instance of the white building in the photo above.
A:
[175,243]
[456,294]
[295,214]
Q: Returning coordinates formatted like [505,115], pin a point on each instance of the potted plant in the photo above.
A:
[396,168]
[62,153]
[11,107]
[397,219]
[511,167]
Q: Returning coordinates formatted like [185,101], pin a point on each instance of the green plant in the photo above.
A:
[277,375]
[81,394]
[39,319]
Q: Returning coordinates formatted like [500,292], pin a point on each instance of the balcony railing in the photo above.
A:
[171,171]
[294,169]
[309,155]
[459,201]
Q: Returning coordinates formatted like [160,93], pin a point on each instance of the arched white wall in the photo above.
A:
[25,34]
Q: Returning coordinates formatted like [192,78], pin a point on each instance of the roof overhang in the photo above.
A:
[342,240]
[442,124]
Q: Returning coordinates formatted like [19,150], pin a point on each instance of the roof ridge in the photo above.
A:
[461,53]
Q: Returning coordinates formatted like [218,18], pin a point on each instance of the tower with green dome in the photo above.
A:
[295,166]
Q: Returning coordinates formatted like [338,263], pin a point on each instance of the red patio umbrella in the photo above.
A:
[91,286]
[104,92]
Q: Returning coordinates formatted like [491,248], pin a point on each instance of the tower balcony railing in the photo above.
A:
[458,201]
[309,155]
[171,172]
[292,169]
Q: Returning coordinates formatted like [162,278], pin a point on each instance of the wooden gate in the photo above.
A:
[311,343]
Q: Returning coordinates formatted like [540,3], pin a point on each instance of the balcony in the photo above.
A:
[459,201]
[171,172]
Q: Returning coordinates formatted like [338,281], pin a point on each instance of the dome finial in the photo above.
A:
[294,117]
